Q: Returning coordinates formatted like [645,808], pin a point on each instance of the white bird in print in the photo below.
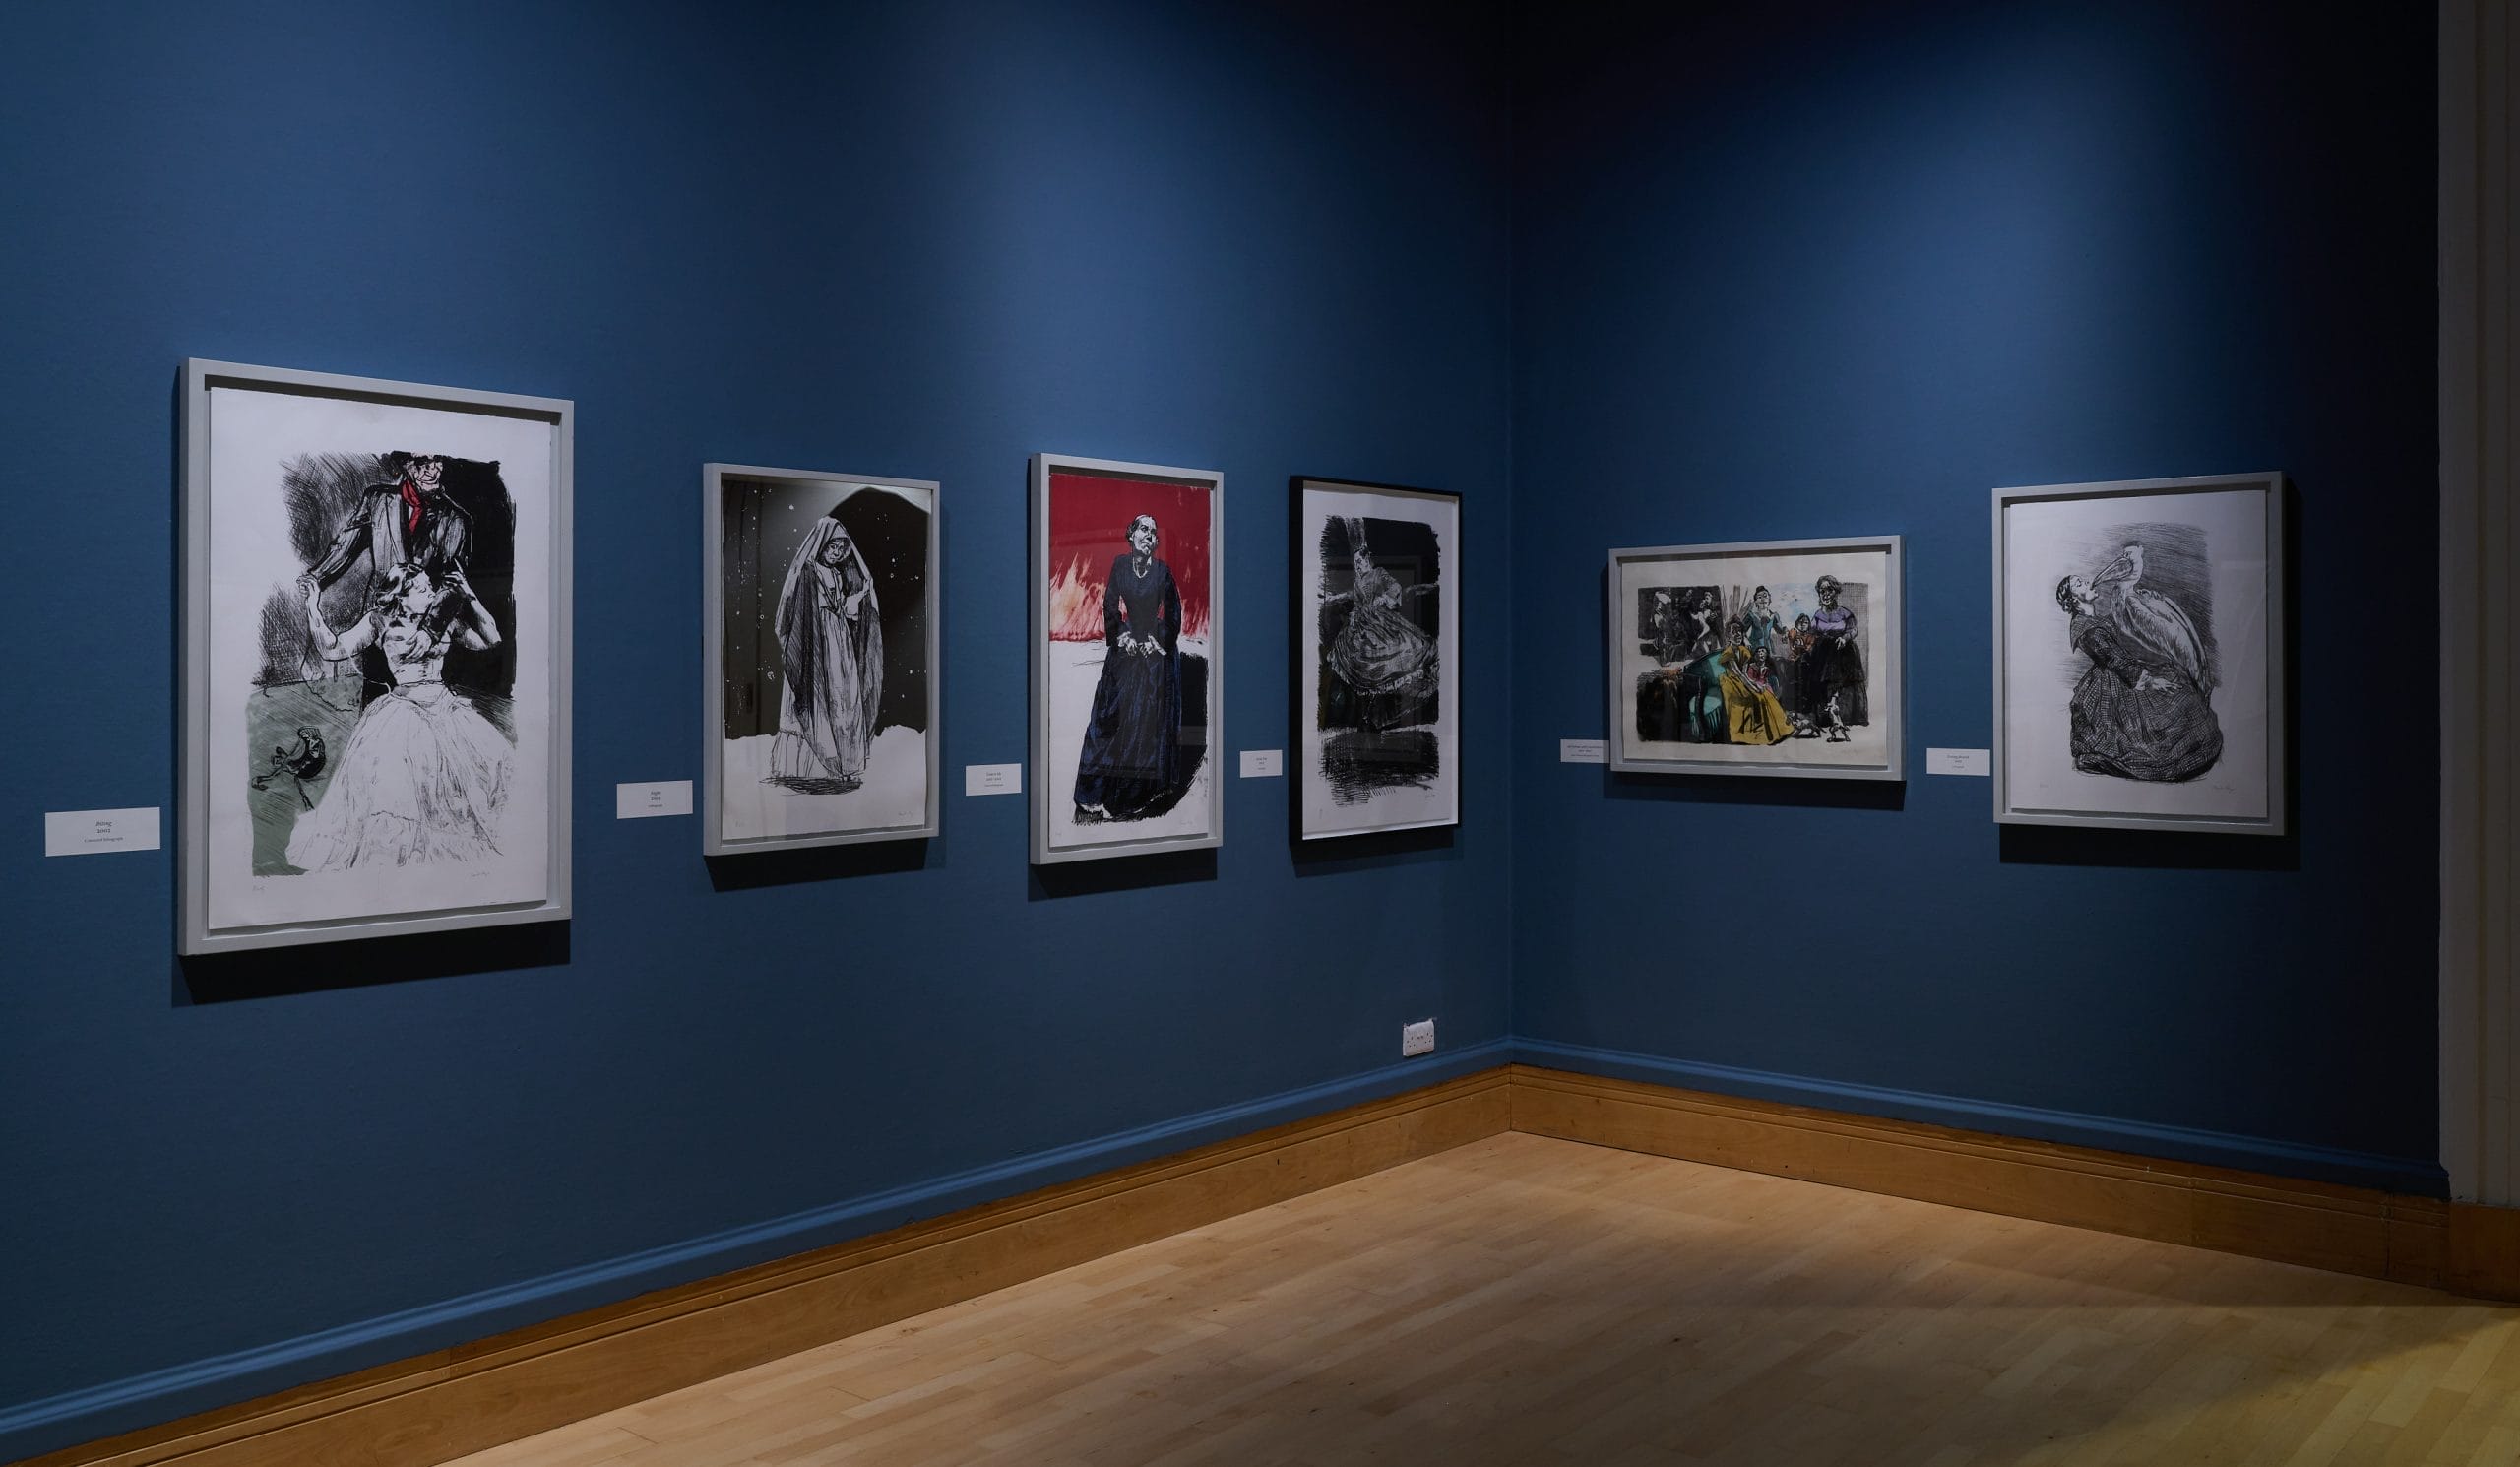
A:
[2151,617]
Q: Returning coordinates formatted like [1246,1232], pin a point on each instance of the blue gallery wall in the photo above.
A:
[1843,269]
[1619,276]
[919,239]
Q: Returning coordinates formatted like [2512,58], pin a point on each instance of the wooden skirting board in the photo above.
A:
[433,1408]
[2348,1229]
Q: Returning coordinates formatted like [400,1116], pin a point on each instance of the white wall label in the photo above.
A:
[993,779]
[1261,764]
[1583,751]
[665,797]
[95,832]
[1960,761]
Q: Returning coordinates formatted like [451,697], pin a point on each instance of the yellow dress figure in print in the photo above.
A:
[1752,712]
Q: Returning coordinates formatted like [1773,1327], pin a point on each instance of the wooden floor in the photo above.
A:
[1534,1302]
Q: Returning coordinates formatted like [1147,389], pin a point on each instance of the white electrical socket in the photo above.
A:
[1418,1038]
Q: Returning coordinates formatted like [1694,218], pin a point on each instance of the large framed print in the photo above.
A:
[820,693]
[1776,657]
[1377,651]
[2139,653]
[1128,627]
[375,657]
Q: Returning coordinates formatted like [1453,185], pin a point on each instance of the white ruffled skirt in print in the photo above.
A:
[423,779]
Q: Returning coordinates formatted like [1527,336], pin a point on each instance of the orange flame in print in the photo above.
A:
[1076,606]
[1075,603]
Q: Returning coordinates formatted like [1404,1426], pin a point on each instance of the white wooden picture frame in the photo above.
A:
[776,775]
[376,641]
[1770,658]
[1144,778]
[2156,699]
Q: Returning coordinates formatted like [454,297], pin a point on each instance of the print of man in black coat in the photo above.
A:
[411,521]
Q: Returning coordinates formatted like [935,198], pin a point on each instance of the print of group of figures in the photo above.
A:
[1740,666]
[381,727]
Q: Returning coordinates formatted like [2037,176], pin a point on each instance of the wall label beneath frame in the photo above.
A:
[661,797]
[1263,764]
[1979,762]
[993,779]
[95,832]
[1583,751]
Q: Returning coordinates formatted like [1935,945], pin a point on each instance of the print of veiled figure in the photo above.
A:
[2144,708]
[1131,765]
[1383,656]
[424,775]
[831,652]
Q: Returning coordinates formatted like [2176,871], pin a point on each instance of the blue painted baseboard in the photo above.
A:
[165,1395]
[2390,1174]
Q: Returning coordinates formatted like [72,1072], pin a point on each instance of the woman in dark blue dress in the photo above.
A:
[1131,765]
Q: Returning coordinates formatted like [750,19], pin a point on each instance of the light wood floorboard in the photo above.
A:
[1542,1303]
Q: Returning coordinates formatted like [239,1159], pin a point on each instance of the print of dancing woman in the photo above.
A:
[423,776]
[1131,766]
[2143,709]
[1380,654]
[831,655]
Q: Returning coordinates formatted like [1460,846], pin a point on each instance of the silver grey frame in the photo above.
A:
[1890,657]
[712,710]
[1038,773]
[2271,485]
[195,935]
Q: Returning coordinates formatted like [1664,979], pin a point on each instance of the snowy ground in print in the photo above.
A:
[892,795]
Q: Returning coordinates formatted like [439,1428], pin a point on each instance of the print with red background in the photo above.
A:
[1090,514]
